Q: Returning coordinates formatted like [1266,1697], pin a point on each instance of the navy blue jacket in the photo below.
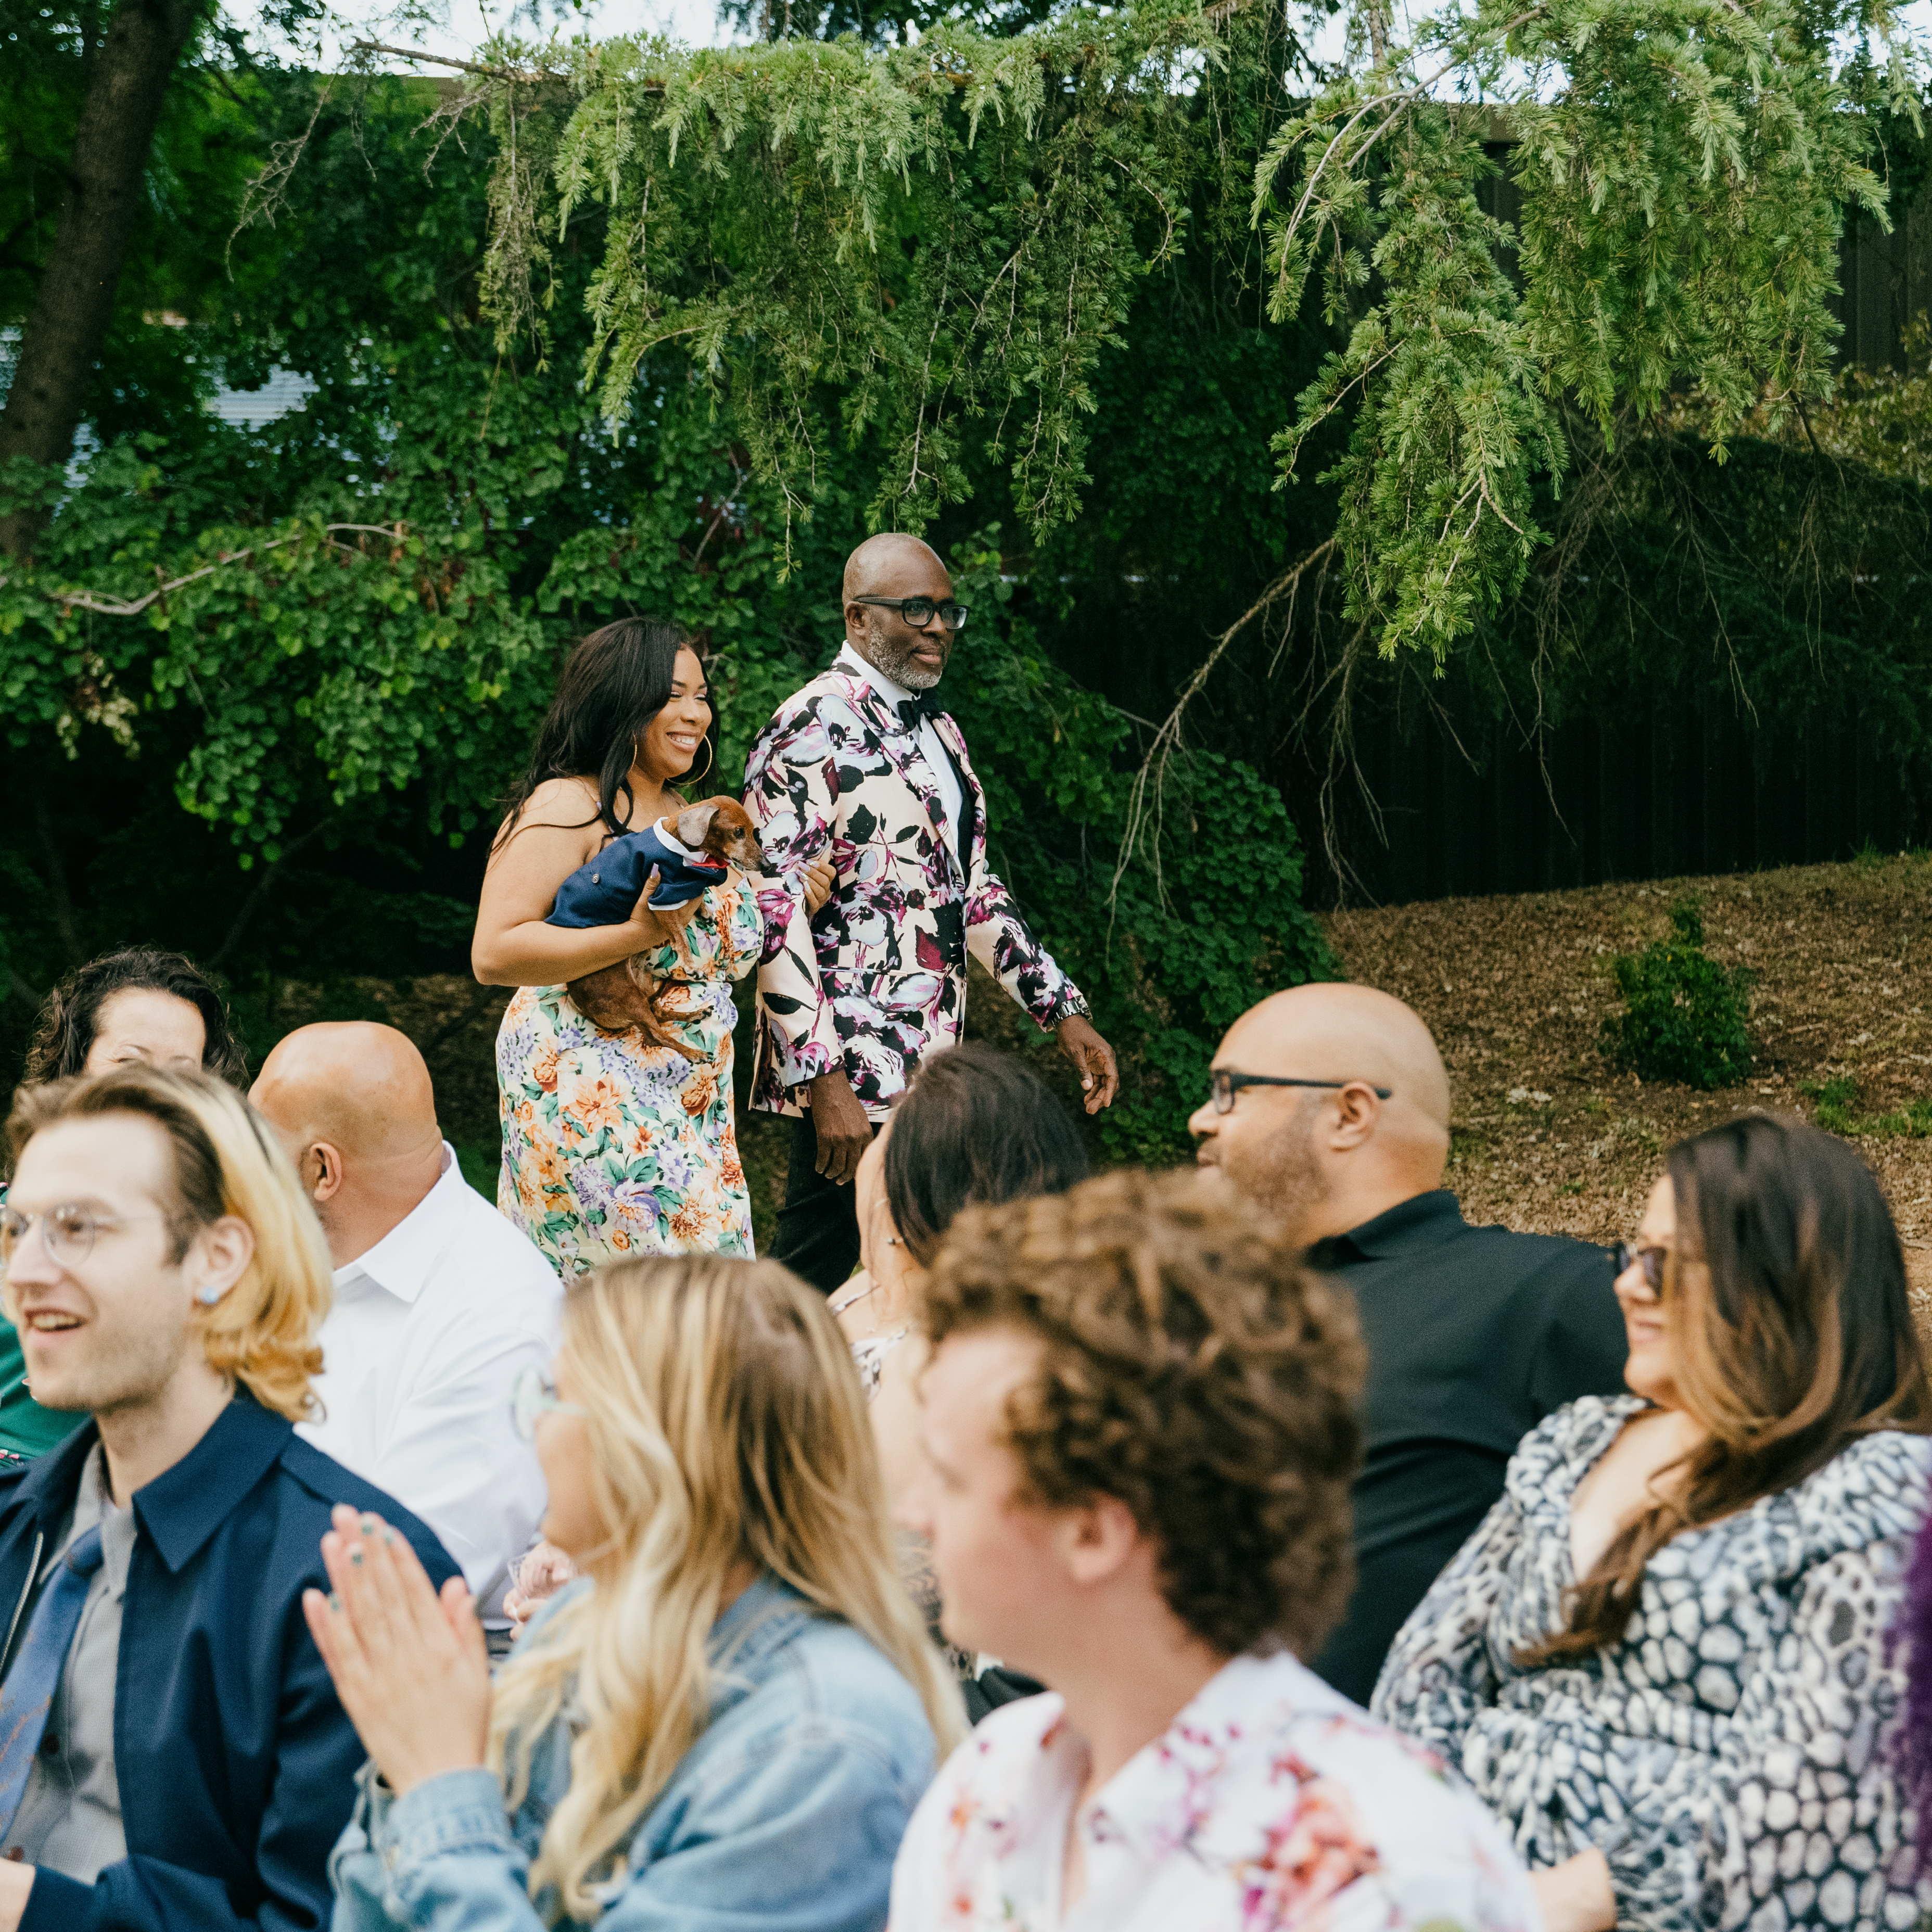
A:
[236,1763]
[603,890]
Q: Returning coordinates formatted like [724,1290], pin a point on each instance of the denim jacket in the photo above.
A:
[784,1816]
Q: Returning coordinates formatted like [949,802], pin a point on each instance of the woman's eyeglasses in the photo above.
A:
[1651,1260]
[534,1396]
[920,611]
[1223,1084]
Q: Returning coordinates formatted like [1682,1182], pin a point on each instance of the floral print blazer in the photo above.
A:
[1732,1755]
[878,980]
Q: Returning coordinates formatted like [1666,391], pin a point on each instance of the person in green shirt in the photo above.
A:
[138,1004]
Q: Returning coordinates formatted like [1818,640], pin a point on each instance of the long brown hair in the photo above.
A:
[1785,1296]
[612,684]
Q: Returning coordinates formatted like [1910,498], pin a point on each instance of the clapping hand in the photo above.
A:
[408,1665]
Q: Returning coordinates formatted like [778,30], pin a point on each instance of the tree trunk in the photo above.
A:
[75,298]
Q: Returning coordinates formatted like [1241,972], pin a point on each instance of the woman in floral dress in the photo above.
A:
[613,1146]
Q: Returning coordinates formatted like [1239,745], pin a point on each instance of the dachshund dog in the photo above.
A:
[623,998]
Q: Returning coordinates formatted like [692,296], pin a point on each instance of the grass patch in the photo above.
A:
[1835,1108]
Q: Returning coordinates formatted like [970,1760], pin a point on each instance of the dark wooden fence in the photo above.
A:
[1644,789]
[1654,791]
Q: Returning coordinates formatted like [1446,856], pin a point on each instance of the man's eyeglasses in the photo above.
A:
[70,1232]
[533,1396]
[1223,1084]
[920,611]
[1627,1255]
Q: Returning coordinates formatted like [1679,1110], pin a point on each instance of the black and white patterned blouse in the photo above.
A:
[1730,1757]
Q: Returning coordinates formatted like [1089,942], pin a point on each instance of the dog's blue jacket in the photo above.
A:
[602,891]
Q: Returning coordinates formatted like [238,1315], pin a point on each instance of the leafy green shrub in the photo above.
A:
[1684,1018]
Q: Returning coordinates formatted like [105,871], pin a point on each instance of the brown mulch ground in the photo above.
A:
[1549,1136]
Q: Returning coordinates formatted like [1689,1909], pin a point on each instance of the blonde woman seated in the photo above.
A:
[726,1719]
[1663,1660]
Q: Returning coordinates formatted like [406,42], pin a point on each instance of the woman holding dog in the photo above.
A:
[615,1144]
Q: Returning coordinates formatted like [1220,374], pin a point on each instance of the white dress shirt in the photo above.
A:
[1270,1804]
[429,1331]
[945,775]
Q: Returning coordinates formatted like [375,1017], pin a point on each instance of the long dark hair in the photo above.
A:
[976,1125]
[69,1020]
[1786,1297]
[612,684]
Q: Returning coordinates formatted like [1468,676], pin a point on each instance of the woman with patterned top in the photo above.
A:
[975,1124]
[614,1146]
[1665,1660]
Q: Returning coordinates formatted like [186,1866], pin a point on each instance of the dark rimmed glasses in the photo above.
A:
[919,611]
[1223,1084]
[1627,1255]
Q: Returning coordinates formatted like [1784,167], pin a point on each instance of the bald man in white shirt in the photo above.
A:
[440,1304]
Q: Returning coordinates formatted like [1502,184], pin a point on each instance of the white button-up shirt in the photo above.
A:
[945,775]
[431,1329]
[1271,1803]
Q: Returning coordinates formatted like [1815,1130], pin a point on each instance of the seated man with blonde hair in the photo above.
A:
[172,1755]
[1138,1417]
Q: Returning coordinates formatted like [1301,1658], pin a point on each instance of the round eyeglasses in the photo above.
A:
[533,1396]
[69,1231]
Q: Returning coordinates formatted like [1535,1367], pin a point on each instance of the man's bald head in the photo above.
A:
[895,566]
[352,1103]
[1335,1031]
[875,568]
[1328,1156]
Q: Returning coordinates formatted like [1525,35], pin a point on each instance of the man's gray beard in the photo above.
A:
[897,663]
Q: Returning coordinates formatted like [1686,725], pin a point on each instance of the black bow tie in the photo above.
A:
[915,710]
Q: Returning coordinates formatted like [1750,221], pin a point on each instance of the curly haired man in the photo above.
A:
[1139,1416]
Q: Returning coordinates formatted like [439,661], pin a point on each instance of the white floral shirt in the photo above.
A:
[1271,1802]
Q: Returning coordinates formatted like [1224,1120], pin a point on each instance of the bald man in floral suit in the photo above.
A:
[862,765]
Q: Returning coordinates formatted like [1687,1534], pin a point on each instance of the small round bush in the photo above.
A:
[1685,1016]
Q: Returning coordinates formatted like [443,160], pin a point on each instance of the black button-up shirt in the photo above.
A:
[1474,1335]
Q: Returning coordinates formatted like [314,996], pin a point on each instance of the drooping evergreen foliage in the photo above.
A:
[939,241]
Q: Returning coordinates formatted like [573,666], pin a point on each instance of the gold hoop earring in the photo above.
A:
[710,759]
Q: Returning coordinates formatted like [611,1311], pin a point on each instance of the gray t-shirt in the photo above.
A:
[70,1815]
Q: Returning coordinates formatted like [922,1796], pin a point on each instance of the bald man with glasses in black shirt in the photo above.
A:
[1329,1107]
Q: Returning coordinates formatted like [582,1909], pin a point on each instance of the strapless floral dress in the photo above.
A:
[614,1148]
